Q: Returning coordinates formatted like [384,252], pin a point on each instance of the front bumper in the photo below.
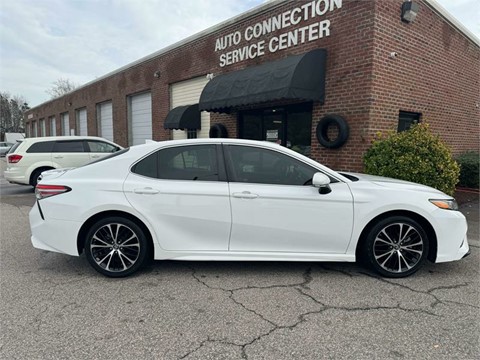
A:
[52,234]
[451,230]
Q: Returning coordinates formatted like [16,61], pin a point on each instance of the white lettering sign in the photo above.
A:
[290,18]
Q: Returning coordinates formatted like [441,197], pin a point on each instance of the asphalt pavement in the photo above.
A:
[55,306]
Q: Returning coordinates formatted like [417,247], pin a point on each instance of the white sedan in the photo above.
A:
[241,200]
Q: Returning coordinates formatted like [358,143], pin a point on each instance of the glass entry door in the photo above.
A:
[290,126]
[274,127]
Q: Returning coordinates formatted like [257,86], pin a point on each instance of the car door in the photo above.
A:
[183,193]
[69,153]
[276,209]
[98,149]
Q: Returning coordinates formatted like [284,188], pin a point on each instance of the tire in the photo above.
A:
[116,247]
[322,131]
[396,247]
[35,175]
[218,131]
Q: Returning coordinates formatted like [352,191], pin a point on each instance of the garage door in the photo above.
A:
[82,122]
[65,124]
[53,126]
[187,93]
[105,120]
[42,127]
[140,118]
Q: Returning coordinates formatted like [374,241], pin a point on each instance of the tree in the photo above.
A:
[61,87]
[11,113]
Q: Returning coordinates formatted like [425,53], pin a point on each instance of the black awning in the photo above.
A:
[299,77]
[183,117]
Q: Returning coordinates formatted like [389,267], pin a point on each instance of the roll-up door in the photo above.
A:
[53,126]
[105,120]
[65,124]
[82,122]
[42,127]
[140,118]
[188,93]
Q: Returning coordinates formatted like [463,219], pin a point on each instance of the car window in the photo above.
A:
[262,166]
[147,167]
[68,146]
[197,162]
[101,147]
[41,147]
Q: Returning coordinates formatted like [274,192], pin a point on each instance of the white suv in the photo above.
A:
[28,158]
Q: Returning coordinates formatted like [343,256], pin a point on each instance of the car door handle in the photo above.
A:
[58,157]
[147,190]
[245,195]
[95,156]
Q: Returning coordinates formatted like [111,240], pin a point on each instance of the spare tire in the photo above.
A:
[218,131]
[322,131]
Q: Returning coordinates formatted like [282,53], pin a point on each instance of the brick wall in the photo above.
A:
[436,73]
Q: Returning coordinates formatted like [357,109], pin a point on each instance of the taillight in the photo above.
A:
[44,191]
[14,158]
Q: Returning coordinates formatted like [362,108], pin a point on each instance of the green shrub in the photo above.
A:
[415,155]
[469,163]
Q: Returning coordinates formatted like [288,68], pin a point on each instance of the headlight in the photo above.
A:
[450,204]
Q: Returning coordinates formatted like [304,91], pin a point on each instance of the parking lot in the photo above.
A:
[55,306]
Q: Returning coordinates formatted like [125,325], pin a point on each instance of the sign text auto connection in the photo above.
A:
[254,33]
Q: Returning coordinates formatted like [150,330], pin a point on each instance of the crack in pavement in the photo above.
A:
[301,287]
[427,292]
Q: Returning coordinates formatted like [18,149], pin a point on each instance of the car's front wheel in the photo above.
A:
[116,247]
[396,246]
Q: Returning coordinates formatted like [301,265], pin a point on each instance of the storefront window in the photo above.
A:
[290,126]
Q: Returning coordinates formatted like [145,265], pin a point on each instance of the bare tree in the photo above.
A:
[61,87]
[11,112]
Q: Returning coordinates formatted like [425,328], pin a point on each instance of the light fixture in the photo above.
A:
[156,74]
[210,76]
[409,11]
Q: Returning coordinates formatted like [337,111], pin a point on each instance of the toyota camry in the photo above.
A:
[239,200]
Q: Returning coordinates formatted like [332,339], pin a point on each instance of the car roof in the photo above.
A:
[66,137]
[157,144]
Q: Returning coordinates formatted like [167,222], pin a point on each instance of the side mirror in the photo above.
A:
[322,182]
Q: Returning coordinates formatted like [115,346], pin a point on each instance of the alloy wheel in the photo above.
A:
[398,247]
[115,247]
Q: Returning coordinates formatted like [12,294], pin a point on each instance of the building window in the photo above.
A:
[191,133]
[406,119]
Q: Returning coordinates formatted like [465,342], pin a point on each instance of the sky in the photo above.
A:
[40,42]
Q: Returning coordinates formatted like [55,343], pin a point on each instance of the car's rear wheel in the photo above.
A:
[396,247]
[116,247]
[35,175]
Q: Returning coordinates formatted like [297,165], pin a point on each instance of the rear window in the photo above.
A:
[14,147]
[120,152]
[41,147]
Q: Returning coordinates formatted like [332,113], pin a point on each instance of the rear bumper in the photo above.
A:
[15,177]
[52,234]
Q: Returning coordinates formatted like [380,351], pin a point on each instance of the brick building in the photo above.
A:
[273,73]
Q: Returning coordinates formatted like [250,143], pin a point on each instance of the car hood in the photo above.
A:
[394,183]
